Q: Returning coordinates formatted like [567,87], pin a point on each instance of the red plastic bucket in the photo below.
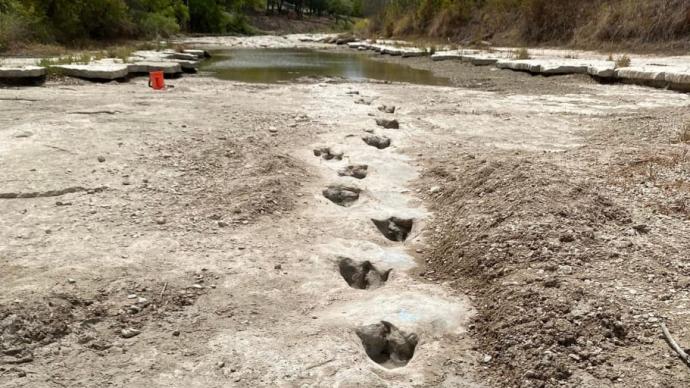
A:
[156,80]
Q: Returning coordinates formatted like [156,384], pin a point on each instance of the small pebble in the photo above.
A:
[101,159]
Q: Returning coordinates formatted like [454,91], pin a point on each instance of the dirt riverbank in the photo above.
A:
[183,238]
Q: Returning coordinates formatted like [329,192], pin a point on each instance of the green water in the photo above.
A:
[285,65]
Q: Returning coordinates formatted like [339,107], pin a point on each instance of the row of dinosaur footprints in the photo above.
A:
[383,342]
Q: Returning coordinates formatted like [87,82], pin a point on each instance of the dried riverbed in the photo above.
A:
[200,236]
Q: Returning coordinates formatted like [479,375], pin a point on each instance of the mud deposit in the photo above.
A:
[512,235]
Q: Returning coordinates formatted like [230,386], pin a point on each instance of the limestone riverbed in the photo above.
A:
[221,233]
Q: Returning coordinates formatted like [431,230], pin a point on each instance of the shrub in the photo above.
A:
[238,23]
[521,53]
[17,24]
[361,27]
[120,52]
[12,29]
[158,25]
[623,61]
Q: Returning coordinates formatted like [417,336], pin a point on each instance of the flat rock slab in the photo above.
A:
[390,50]
[169,68]
[517,65]
[16,72]
[642,73]
[198,53]
[171,54]
[413,52]
[98,71]
[150,55]
[446,55]
[479,60]
[559,66]
[605,71]
[188,66]
[357,45]
[678,76]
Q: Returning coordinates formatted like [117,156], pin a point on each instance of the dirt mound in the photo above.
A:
[92,321]
[543,248]
[224,182]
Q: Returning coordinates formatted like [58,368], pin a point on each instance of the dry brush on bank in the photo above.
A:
[587,22]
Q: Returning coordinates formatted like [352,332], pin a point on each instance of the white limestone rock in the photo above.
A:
[18,72]
[95,71]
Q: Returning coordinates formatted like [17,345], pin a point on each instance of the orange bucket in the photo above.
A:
[156,80]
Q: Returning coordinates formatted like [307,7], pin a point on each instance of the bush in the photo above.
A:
[238,23]
[361,27]
[206,16]
[17,24]
[623,61]
[12,29]
[73,22]
[521,53]
[157,24]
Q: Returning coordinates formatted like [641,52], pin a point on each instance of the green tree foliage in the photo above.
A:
[158,17]
[336,8]
[74,21]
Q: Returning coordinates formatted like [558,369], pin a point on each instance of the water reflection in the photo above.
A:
[279,65]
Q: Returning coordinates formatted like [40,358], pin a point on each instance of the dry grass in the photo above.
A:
[684,133]
[584,23]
